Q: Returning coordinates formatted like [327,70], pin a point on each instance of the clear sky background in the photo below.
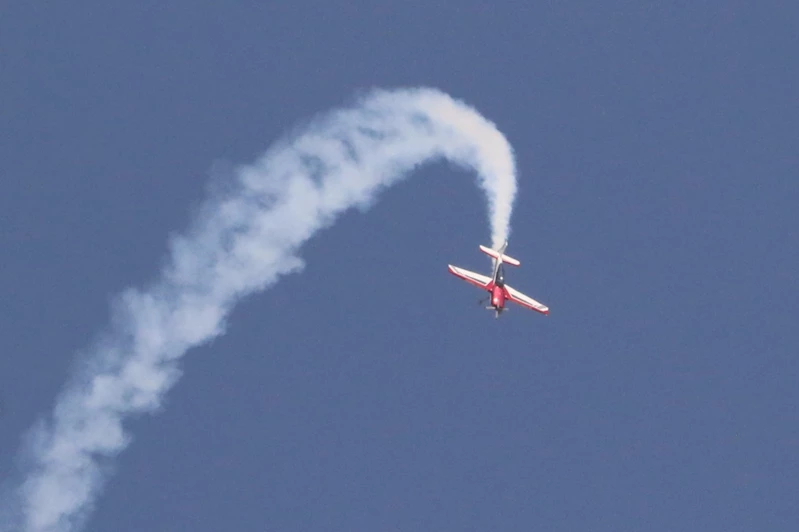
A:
[657,152]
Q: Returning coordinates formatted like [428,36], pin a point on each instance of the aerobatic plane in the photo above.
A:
[495,285]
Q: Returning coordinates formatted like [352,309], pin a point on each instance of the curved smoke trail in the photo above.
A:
[242,241]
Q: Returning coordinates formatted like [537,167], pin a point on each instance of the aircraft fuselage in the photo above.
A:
[498,297]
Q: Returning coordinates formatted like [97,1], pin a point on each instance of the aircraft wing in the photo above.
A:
[525,301]
[480,281]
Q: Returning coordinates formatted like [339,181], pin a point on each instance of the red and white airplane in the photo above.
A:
[495,285]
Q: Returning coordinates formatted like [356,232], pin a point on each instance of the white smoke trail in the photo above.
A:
[243,240]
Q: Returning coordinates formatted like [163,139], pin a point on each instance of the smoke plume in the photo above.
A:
[243,240]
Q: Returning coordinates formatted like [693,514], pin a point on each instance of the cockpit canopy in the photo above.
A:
[500,276]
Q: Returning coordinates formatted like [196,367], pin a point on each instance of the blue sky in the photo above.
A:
[656,148]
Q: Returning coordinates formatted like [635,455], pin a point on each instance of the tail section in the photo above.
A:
[500,255]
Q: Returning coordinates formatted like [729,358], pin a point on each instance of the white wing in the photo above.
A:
[525,301]
[480,281]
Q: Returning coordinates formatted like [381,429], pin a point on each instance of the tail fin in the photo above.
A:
[499,255]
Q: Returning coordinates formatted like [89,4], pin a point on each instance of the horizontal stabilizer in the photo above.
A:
[499,256]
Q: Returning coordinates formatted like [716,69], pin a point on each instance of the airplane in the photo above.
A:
[495,285]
